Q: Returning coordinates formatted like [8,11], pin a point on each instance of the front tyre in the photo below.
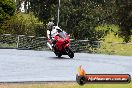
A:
[69,52]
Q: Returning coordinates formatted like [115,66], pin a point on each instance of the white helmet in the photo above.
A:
[50,25]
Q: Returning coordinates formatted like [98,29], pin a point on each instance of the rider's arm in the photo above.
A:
[48,34]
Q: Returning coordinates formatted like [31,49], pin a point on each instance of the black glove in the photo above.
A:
[54,41]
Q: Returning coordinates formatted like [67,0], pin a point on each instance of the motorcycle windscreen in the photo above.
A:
[63,35]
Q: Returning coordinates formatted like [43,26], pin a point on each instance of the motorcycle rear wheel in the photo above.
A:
[58,54]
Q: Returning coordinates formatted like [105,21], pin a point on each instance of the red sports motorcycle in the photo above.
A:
[61,45]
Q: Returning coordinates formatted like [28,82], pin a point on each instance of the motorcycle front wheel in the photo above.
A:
[69,52]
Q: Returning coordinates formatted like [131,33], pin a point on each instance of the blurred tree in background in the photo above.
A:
[78,17]
[124,17]
[23,24]
[7,9]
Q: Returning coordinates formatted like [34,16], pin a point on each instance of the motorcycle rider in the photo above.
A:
[52,31]
[58,41]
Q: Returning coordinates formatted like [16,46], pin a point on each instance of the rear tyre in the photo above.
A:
[59,55]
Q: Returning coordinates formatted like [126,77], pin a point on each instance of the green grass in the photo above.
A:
[111,42]
[116,49]
[65,85]
[112,46]
[5,45]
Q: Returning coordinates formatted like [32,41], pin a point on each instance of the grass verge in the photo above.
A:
[65,85]
[5,45]
[114,45]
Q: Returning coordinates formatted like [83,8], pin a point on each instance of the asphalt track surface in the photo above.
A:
[29,65]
